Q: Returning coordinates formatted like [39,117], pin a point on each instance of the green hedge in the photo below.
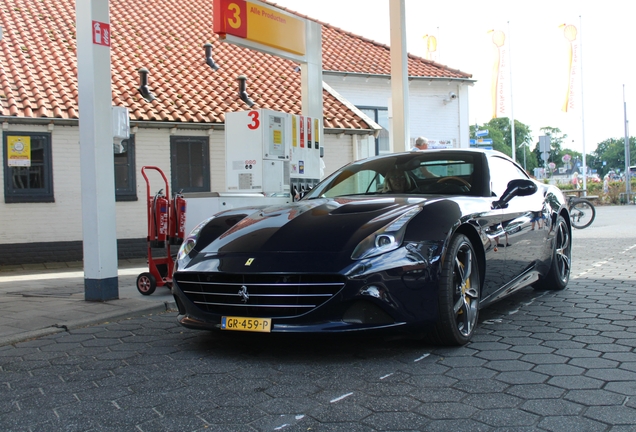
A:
[612,197]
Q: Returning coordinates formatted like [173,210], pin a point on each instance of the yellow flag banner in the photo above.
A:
[572,51]
[431,47]
[499,82]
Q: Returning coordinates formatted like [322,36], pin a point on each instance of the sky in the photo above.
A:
[538,51]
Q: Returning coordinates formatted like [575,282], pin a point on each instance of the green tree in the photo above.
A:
[500,132]
[494,134]
[612,152]
[556,143]
[557,138]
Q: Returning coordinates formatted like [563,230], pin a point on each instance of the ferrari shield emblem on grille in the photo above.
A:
[249,261]
[244,294]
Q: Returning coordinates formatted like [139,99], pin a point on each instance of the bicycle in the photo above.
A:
[582,212]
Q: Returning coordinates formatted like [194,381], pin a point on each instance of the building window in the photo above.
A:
[190,164]
[381,117]
[28,167]
[125,177]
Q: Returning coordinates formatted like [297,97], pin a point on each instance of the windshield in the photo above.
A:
[416,173]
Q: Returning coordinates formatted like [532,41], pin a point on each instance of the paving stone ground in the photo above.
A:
[540,361]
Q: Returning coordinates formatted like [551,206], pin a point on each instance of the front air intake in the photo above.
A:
[258,295]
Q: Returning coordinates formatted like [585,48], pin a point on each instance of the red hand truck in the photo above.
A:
[166,227]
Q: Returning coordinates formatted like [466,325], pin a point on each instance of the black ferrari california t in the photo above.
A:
[414,242]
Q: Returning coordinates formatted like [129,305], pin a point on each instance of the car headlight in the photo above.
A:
[385,239]
[191,240]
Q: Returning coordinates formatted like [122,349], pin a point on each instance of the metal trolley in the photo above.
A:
[166,228]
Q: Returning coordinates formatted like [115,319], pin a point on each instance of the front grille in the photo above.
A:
[263,295]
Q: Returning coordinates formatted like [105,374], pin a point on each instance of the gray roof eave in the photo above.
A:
[411,77]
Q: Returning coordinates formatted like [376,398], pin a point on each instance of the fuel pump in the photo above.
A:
[273,153]
[305,155]
[257,152]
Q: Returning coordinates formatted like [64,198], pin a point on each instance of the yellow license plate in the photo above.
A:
[246,324]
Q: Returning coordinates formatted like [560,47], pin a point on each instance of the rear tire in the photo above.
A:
[582,213]
[559,274]
[458,294]
[146,283]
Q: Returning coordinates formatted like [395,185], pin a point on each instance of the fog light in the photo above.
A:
[362,312]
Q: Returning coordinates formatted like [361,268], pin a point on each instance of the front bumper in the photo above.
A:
[394,290]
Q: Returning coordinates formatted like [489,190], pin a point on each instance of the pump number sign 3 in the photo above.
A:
[257,22]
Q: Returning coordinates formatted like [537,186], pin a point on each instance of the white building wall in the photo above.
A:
[338,151]
[429,115]
[59,220]
[65,216]
[374,92]
[152,148]
[217,161]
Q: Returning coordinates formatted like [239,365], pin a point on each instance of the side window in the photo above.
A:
[361,182]
[125,176]
[28,167]
[501,172]
[381,117]
[190,164]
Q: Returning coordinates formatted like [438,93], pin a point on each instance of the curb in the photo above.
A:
[33,334]
[168,306]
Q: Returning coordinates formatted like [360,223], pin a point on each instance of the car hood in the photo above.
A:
[320,225]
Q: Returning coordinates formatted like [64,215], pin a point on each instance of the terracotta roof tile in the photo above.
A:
[38,63]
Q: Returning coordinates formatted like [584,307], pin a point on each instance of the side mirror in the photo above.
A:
[518,187]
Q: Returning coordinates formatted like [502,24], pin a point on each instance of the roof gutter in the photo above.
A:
[410,78]
[149,124]
[40,121]
[45,121]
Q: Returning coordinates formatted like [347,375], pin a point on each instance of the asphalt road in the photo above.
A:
[561,361]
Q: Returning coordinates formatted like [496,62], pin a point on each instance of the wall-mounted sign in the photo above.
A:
[19,151]
[257,22]
[440,144]
[101,33]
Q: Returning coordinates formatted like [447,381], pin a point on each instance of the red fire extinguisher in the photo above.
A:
[159,220]
[178,223]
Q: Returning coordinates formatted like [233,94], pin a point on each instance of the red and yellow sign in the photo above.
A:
[258,23]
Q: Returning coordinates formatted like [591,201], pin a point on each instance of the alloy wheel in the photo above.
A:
[466,296]
[563,251]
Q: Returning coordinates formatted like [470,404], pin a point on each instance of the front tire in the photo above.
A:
[559,274]
[458,294]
